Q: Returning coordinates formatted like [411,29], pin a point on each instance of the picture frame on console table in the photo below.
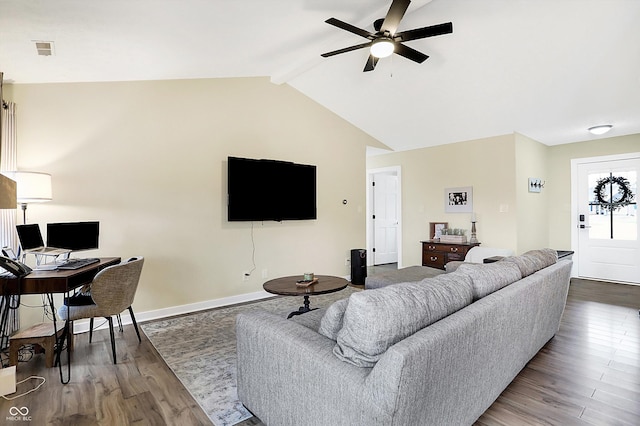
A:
[435,229]
[458,200]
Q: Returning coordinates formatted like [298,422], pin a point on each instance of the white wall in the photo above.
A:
[148,160]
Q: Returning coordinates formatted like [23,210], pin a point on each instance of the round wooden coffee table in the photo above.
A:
[286,286]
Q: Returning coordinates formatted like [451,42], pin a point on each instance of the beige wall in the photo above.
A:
[498,168]
[148,160]
[488,165]
[559,179]
[531,207]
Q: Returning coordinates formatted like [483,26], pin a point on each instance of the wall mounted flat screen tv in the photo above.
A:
[74,236]
[260,190]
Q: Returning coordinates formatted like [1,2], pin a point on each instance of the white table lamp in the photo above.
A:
[32,187]
[8,194]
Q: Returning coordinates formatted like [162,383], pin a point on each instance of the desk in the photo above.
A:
[50,282]
[57,281]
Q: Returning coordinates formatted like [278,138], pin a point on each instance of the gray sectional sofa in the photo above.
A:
[434,352]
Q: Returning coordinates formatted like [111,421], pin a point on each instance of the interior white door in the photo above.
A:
[385,218]
[608,238]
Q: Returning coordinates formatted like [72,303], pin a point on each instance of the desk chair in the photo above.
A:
[112,292]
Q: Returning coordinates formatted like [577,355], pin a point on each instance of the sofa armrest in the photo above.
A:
[281,362]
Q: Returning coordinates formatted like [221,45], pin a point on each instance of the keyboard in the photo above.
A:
[78,263]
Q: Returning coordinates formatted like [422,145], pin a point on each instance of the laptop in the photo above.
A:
[32,242]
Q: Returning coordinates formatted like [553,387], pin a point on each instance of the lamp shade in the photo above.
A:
[32,187]
[8,193]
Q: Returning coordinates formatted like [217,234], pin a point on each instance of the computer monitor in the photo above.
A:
[30,236]
[74,236]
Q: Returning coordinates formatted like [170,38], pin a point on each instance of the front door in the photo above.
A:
[608,239]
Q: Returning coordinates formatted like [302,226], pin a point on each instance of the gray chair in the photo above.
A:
[112,292]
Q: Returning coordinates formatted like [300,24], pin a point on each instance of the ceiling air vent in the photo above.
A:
[44,48]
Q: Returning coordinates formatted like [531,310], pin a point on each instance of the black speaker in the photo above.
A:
[358,266]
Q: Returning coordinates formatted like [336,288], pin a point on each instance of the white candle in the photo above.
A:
[473,217]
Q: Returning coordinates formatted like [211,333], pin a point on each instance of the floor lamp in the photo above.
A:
[32,187]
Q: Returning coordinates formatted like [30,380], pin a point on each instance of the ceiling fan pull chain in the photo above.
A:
[391,68]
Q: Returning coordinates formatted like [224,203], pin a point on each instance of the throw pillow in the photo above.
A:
[331,322]
[377,319]
[490,277]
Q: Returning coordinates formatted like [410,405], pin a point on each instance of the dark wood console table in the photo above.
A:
[436,254]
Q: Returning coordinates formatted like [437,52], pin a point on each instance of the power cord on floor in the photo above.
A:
[29,391]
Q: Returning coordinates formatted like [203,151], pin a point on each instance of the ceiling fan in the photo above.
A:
[386,40]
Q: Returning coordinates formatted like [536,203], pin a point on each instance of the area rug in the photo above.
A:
[200,348]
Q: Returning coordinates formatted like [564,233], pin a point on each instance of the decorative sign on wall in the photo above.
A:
[535,185]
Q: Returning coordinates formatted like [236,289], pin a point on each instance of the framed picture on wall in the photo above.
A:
[458,200]
[435,229]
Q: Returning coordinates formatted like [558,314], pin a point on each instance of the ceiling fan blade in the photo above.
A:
[371,63]
[348,27]
[346,49]
[394,16]
[418,33]
[410,53]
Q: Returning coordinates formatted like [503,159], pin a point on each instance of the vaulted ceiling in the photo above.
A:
[548,69]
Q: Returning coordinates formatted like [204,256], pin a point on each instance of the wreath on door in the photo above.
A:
[616,187]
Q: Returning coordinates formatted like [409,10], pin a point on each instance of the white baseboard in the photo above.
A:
[82,326]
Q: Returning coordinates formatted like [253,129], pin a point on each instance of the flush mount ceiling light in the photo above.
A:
[600,130]
[382,48]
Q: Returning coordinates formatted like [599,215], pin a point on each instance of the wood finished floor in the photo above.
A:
[588,374]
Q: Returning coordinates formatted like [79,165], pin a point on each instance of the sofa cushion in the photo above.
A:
[490,277]
[533,260]
[331,322]
[377,319]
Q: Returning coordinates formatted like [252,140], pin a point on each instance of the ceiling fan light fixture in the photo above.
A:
[601,129]
[382,48]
